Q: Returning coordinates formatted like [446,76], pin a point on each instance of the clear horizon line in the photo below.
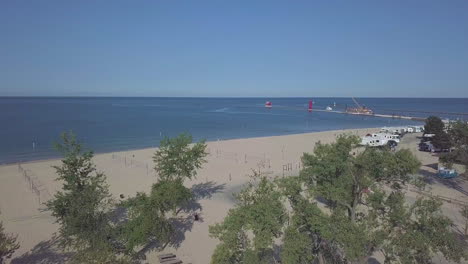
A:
[221,97]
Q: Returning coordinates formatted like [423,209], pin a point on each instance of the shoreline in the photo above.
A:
[95,153]
[228,167]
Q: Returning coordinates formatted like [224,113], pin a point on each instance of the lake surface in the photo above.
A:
[30,125]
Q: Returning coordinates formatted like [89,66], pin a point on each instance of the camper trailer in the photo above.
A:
[387,136]
[376,140]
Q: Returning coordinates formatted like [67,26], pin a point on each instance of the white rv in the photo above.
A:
[419,129]
[387,136]
[373,142]
[380,140]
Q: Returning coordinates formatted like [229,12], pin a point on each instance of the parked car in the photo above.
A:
[431,148]
[447,173]
[423,146]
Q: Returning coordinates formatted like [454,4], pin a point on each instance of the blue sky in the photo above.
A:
[234,48]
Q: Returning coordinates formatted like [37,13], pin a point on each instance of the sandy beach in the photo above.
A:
[24,187]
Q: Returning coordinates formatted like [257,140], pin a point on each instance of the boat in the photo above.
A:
[268,104]
[328,108]
[359,109]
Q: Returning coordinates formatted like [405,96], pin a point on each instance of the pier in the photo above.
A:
[375,115]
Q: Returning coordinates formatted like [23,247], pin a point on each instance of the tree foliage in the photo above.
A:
[148,220]
[247,233]
[434,125]
[8,244]
[362,210]
[442,141]
[82,208]
[176,159]
[423,231]
[464,213]
[458,134]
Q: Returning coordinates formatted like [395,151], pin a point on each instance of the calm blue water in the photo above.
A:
[111,124]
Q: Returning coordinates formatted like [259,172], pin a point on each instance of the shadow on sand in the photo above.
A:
[46,252]
[183,224]
[459,184]
[206,190]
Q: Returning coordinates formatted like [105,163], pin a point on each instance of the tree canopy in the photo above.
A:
[82,208]
[458,135]
[434,125]
[8,244]
[346,204]
[175,161]
[247,233]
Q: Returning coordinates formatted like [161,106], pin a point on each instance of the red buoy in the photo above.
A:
[268,104]
[310,105]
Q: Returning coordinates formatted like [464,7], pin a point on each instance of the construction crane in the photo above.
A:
[356,102]
[362,110]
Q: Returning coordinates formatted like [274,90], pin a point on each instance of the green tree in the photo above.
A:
[458,133]
[247,233]
[176,160]
[82,209]
[423,231]
[148,213]
[464,213]
[365,212]
[442,140]
[342,178]
[146,222]
[8,244]
[434,125]
[375,217]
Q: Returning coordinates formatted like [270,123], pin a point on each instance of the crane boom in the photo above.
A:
[358,105]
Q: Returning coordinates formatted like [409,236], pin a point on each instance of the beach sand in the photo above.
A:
[230,162]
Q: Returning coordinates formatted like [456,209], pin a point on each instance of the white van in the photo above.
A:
[419,129]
